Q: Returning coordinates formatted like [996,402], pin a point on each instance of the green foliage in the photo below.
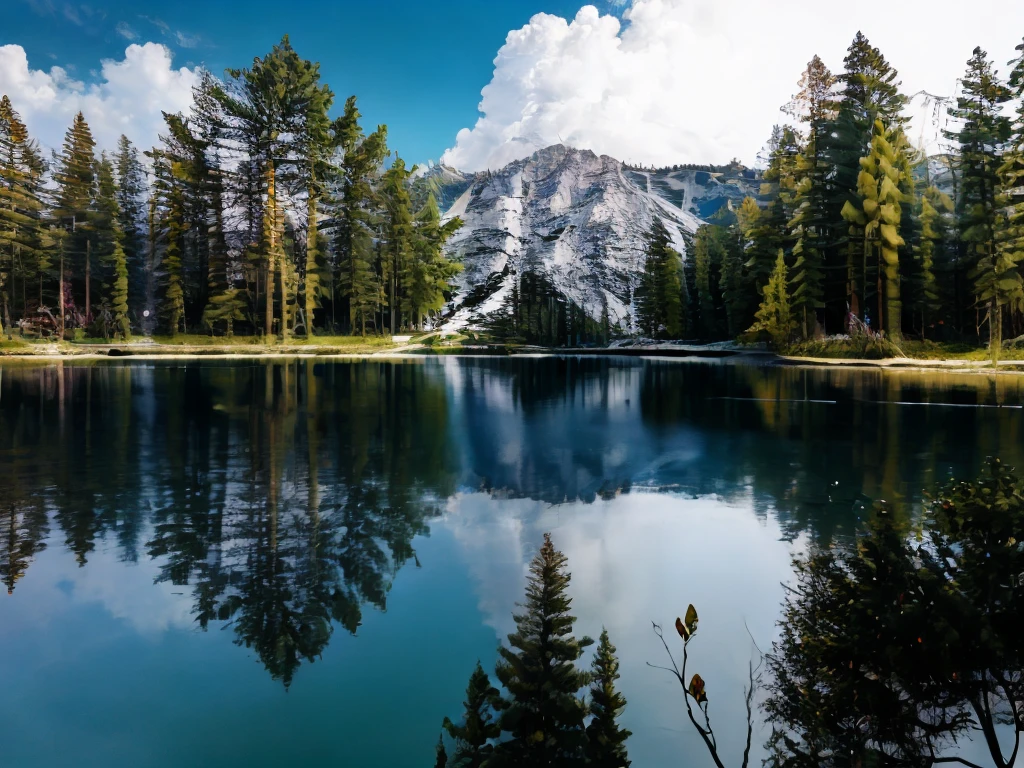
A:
[131,190]
[774,317]
[935,209]
[893,649]
[606,739]
[21,208]
[860,346]
[542,713]
[815,106]
[709,256]
[983,129]
[110,252]
[473,736]
[878,216]
[352,212]
[659,295]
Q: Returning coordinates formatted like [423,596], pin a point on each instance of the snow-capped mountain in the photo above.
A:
[577,219]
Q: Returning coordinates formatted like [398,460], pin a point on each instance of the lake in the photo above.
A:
[298,562]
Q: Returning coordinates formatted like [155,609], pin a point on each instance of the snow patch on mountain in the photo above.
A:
[575,218]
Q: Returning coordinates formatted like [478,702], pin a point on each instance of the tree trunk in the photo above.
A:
[60,324]
[88,280]
[995,328]
[271,228]
[309,295]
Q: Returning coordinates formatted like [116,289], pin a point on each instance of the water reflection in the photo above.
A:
[286,496]
[893,651]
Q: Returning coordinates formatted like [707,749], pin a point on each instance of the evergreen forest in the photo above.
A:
[856,231]
[257,214]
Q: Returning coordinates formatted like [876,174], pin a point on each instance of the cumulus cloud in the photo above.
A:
[678,81]
[128,96]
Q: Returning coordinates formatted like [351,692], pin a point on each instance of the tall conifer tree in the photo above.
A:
[606,739]
[131,192]
[981,132]
[543,714]
[479,728]
[815,106]
[75,176]
[361,158]
[21,207]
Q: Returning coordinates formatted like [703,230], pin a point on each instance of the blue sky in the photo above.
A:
[656,82]
[416,66]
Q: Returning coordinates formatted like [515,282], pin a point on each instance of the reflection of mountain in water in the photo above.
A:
[811,444]
[287,495]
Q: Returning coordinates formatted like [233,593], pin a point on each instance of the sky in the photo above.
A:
[479,83]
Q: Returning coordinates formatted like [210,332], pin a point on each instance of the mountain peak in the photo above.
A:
[575,219]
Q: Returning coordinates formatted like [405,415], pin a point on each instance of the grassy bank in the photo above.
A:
[867,348]
[200,345]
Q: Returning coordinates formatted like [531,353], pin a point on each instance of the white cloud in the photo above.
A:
[126,31]
[186,41]
[698,80]
[127,98]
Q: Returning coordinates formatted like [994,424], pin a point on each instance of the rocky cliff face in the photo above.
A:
[574,218]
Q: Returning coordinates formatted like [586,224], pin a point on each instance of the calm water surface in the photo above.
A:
[298,563]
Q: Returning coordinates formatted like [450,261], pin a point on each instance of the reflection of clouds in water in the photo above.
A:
[129,592]
[636,558]
[497,551]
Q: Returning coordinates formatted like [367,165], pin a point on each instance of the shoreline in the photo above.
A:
[152,352]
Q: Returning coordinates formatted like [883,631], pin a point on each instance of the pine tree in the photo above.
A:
[397,245]
[168,226]
[131,192]
[110,252]
[935,206]
[353,205]
[200,137]
[21,205]
[543,714]
[1010,197]
[317,143]
[708,255]
[878,216]
[982,131]
[473,736]
[606,740]
[76,188]
[430,273]
[659,295]
[870,91]
[815,106]
[769,230]
[265,109]
[441,755]
[774,317]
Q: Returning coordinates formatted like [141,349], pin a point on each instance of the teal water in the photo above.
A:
[299,562]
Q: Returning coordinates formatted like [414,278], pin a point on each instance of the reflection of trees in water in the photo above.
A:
[893,650]
[287,495]
[817,463]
